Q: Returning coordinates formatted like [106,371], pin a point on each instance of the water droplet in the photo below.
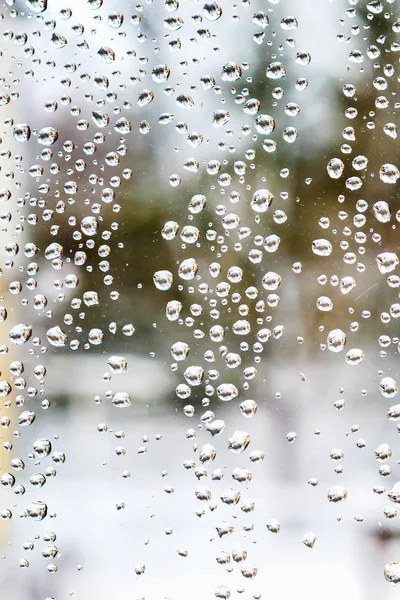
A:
[58,40]
[388,387]
[194,375]
[5,194]
[145,97]
[392,572]
[95,336]
[227,392]
[393,413]
[20,334]
[324,303]
[231,72]
[101,119]
[387,262]
[261,200]
[337,493]
[271,281]
[207,454]
[289,23]
[273,526]
[355,356]
[276,70]
[118,364]
[36,6]
[216,427]
[47,136]
[264,124]
[121,400]
[389,173]
[239,441]
[163,280]
[89,226]
[173,310]
[309,539]
[180,350]
[26,418]
[42,447]
[336,340]
[212,11]
[57,337]
[185,101]
[248,570]
[37,510]
[322,247]
[391,130]
[220,118]
[335,168]
[382,211]
[107,55]
[115,20]
[22,132]
[248,408]
[188,269]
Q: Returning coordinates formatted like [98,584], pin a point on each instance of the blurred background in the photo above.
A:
[134,93]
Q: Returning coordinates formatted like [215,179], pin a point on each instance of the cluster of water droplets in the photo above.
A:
[219,268]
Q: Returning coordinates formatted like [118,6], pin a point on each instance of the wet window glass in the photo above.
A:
[199,352]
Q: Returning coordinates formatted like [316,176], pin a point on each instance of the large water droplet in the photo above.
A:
[37,510]
[47,136]
[121,400]
[335,168]
[387,262]
[57,337]
[20,334]
[22,132]
[276,70]
[336,340]
[392,572]
[36,6]
[389,173]
[261,200]
[164,280]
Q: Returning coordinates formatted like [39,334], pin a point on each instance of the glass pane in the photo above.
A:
[199,352]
